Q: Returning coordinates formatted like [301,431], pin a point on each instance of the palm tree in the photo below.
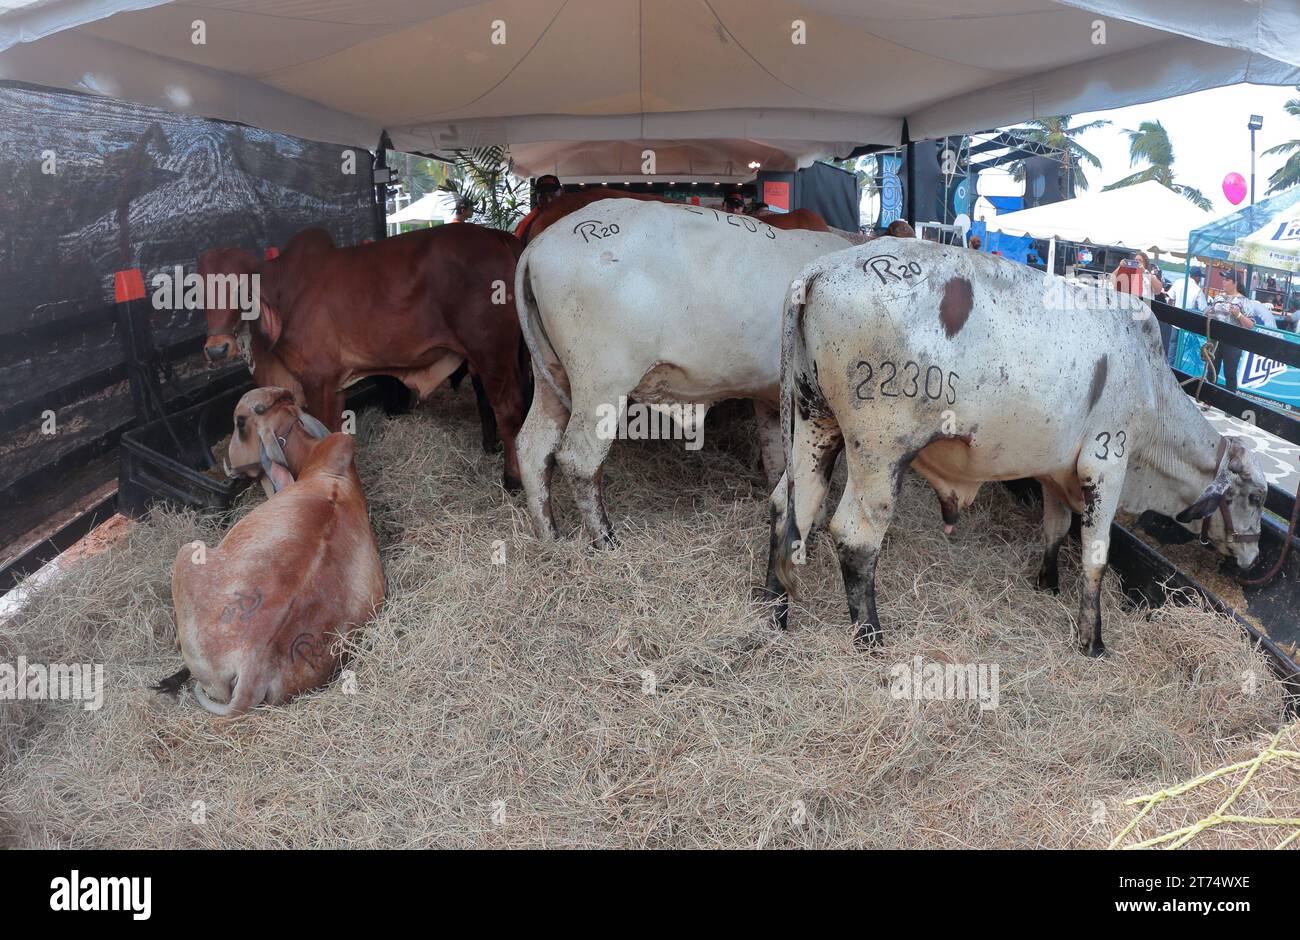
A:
[1288,174]
[1150,143]
[485,176]
[1059,134]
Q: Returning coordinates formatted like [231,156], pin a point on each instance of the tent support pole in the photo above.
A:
[380,207]
[910,204]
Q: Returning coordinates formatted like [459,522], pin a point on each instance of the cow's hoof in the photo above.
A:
[605,543]
[1046,583]
[491,446]
[512,484]
[1093,650]
[868,637]
[780,608]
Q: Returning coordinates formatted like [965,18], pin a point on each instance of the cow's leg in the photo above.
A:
[1101,481]
[486,419]
[812,461]
[858,528]
[503,387]
[768,420]
[538,442]
[582,455]
[325,402]
[1056,526]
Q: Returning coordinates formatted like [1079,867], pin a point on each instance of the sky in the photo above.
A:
[1209,136]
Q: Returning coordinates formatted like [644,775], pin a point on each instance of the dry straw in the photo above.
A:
[635,698]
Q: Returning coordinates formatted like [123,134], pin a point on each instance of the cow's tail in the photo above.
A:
[793,363]
[530,324]
[248,693]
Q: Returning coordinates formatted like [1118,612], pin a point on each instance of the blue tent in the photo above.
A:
[1215,239]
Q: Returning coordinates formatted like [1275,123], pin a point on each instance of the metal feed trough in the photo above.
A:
[1270,614]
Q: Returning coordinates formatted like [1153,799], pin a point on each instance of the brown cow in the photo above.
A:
[801,219]
[268,371]
[257,617]
[414,306]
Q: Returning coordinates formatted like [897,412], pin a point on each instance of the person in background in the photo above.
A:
[900,229]
[464,209]
[545,191]
[734,202]
[1187,293]
[1258,311]
[975,243]
[1133,276]
[1228,307]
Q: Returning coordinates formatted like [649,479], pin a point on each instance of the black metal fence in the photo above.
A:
[1273,609]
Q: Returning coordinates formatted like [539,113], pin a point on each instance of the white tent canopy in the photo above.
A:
[1146,216]
[433,207]
[566,82]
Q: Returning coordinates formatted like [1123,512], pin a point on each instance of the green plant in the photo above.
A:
[1059,134]
[485,176]
[1288,174]
[1150,143]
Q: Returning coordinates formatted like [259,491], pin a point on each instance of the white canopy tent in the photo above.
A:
[582,87]
[1146,216]
[433,207]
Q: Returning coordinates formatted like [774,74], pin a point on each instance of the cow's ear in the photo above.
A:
[279,476]
[268,323]
[312,426]
[1203,507]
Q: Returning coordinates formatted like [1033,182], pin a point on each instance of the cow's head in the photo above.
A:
[1227,513]
[222,313]
[265,419]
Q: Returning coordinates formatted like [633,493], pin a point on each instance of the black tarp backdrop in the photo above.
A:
[137,187]
[92,185]
[829,191]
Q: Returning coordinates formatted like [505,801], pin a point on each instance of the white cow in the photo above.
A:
[660,302]
[973,368]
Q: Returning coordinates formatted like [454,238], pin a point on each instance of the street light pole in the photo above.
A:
[1255,123]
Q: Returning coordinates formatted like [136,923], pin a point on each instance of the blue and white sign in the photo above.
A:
[1258,375]
[891,190]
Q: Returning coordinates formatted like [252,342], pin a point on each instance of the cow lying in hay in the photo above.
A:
[257,616]
[664,303]
[971,368]
[415,306]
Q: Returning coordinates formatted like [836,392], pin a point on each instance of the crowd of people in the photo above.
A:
[1232,305]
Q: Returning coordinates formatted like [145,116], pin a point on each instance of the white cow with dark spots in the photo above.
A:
[971,368]
[658,302]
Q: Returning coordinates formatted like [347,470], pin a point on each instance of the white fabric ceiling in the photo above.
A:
[709,84]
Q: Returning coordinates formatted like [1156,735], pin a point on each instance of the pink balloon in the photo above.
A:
[1234,187]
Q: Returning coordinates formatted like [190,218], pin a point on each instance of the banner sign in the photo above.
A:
[1257,375]
[777,195]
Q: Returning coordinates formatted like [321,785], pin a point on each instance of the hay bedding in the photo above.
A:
[634,698]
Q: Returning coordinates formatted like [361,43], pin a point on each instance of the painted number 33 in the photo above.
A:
[1109,446]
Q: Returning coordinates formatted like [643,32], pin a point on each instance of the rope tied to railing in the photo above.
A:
[1209,349]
